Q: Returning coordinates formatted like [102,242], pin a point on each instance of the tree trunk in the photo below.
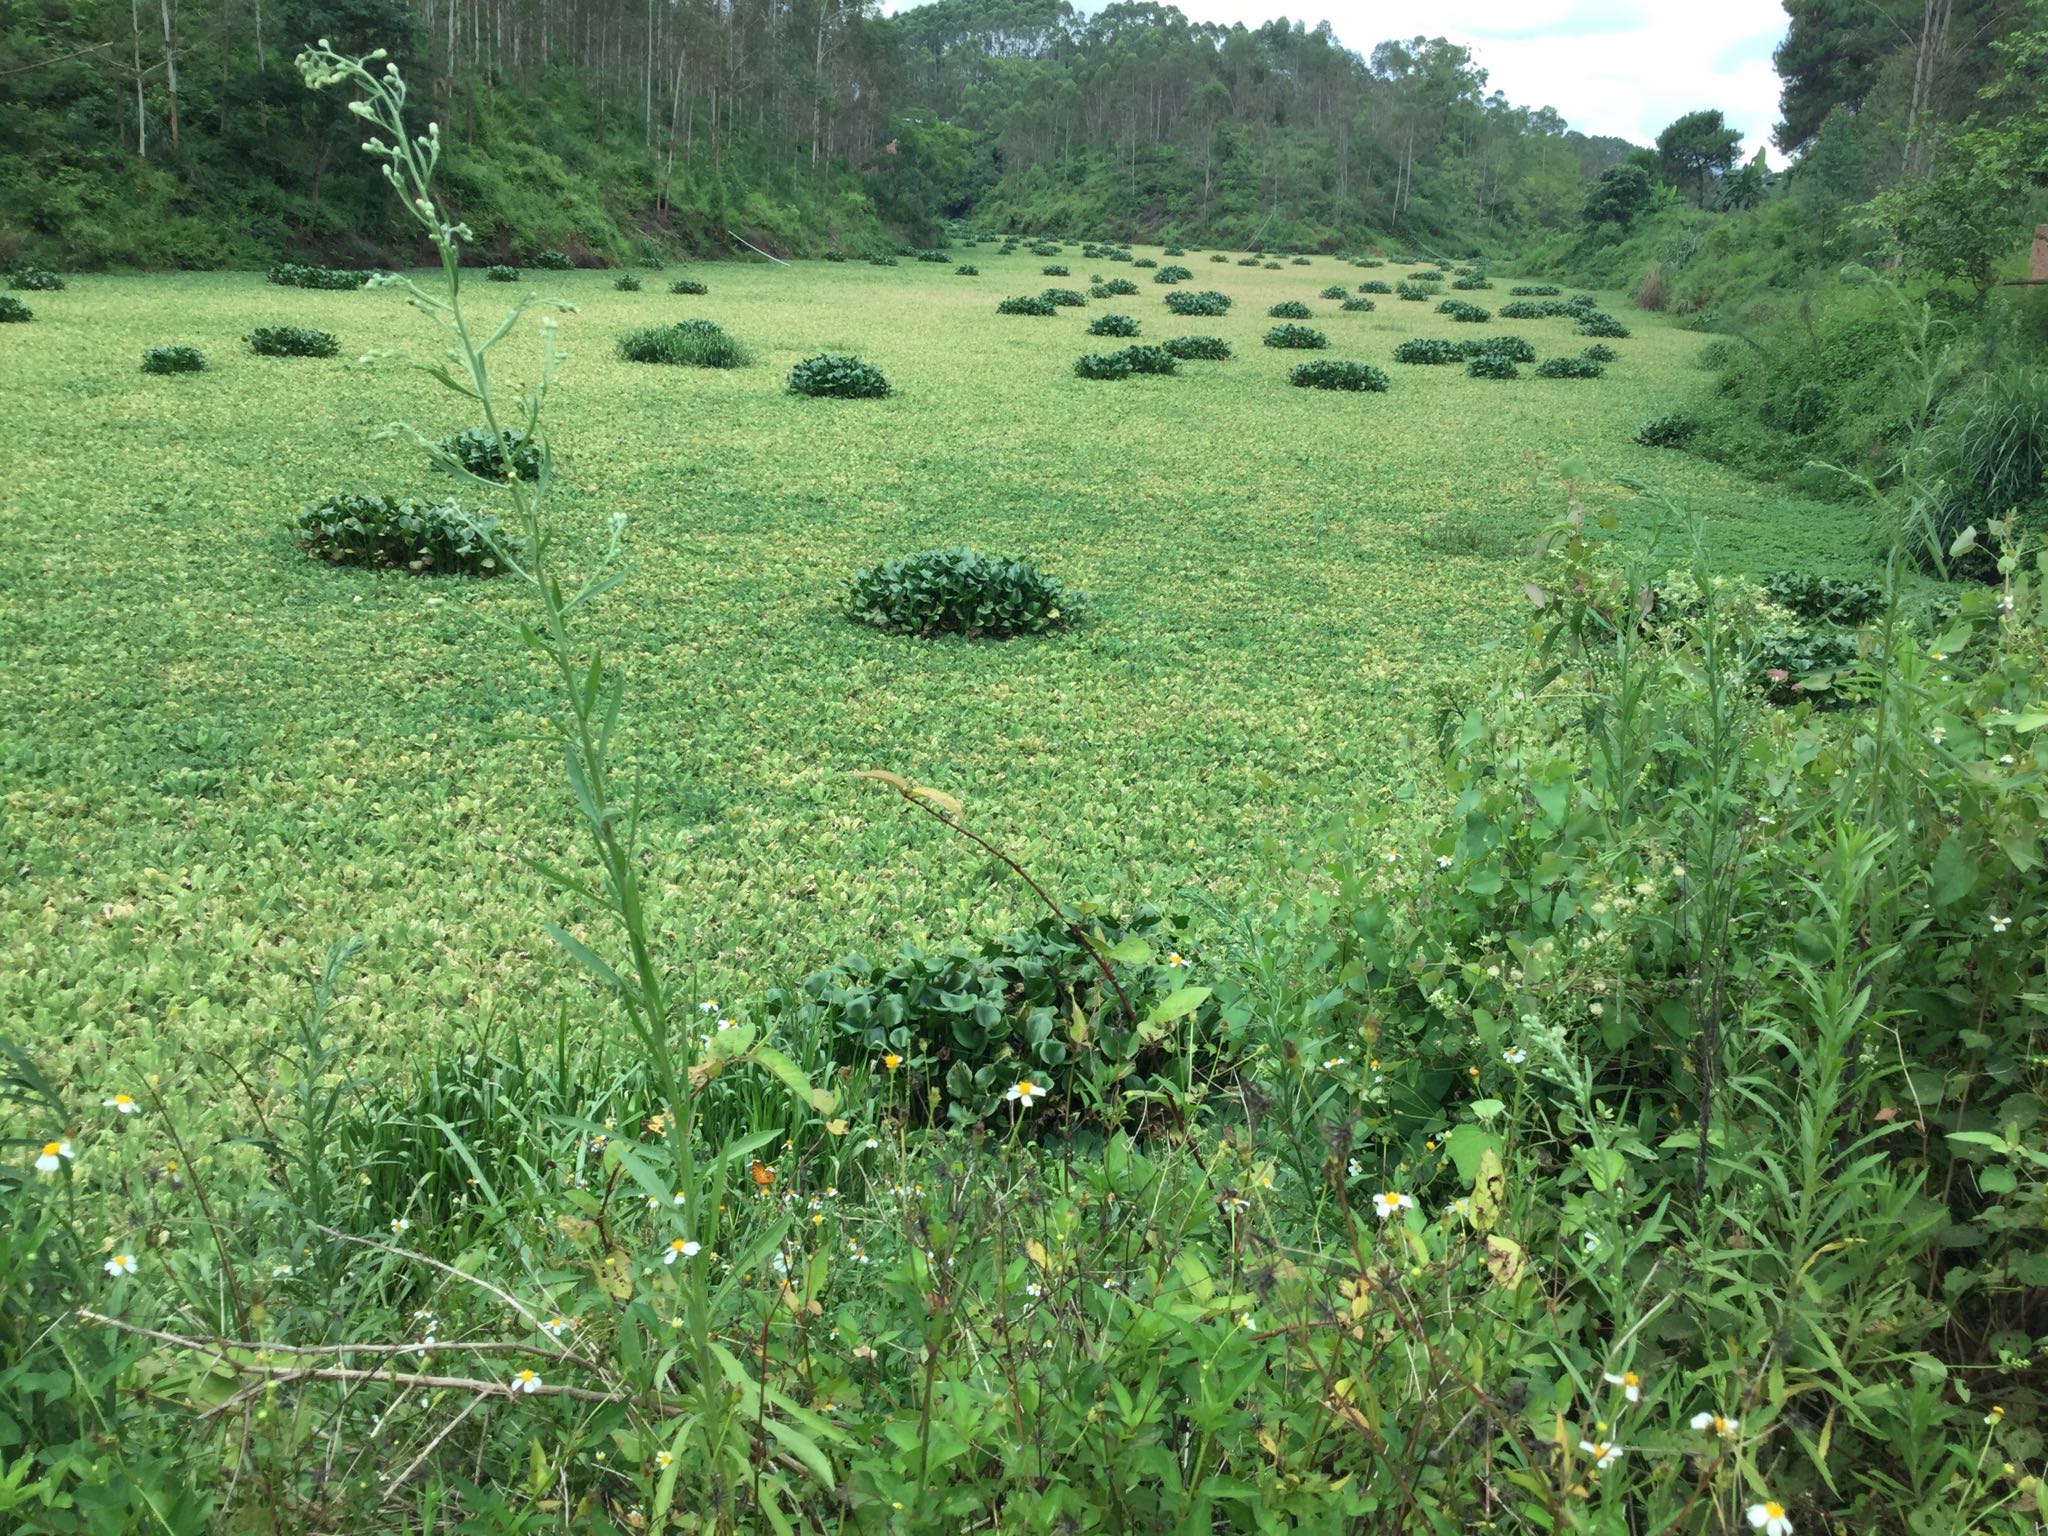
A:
[141,107]
[170,69]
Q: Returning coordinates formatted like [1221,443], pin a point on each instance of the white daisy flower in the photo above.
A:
[1391,1203]
[1938,735]
[1025,1093]
[1724,1427]
[1514,1055]
[663,1460]
[1588,1241]
[2000,924]
[120,1104]
[1770,1518]
[1630,1383]
[1443,861]
[280,1271]
[709,1005]
[55,1154]
[555,1327]
[120,1264]
[682,1250]
[1176,960]
[400,1225]
[1603,1453]
[528,1382]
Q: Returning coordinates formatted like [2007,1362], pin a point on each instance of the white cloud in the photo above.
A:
[1625,67]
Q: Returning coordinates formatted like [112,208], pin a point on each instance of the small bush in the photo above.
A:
[501,274]
[1672,431]
[1600,353]
[1513,348]
[1119,287]
[1206,301]
[1151,360]
[1368,262]
[1471,284]
[1053,271]
[1991,451]
[1358,305]
[835,256]
[34,279]
[1174,250]
[1524,309]
[626,282]
[551,261]
[1205,349]
[1464,313]
[686,344]
[13,311]
[1172,274]
[1334,291]
[1065,298]
[1301,261]
[688,286]
[1112,325]
[1782,659]
[1298,337]
[1653,292]
[1026,304]
[882,261]
[1428,351]
[1248,261]
[292,274]
[960,592]
[1492,365]
[969,270]
[1272,266]
[1332,373]
[1534,291]
[381,532]
[476,450]
[1414,293]
[1569,368]
[1374,285]
[1425,276]
[830,375]
[1290,309]
[1218,256]
[292,341]
[933,258]
[173,359]
[1828,599]
[1599,323]
[1102,365]
[1144,261]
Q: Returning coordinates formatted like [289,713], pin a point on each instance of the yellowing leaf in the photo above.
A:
[1489,1192]
[1505,1261]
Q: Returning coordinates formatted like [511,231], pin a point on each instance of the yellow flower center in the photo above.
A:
[1775,1511]
[52,1148]
[1631,1379]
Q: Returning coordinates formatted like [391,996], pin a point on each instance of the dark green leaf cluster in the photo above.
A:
[501,274]
[388,533]
[1112,325]
[837,377]
[967,270]
[13,311]
[1205,301]
[960,592]
[1053,271]
[626,282]
[1428,350]
[1102,365]
[1471,284]
[1415,293]
[1829,599]
[1464,312]
[1334,291]
[1116,287]
[1513,348]
[1569,368]
[173,359]
[688,286]
[1301,261]
[551,261]
[1066,298]
[1026,304]
[33,279]
[1599,352]
[1144,261]
[292,341]
[1358,304]
[1599,323]
[1535,291]
[1492,365]
[933,258]
[883,261]
[292,274]
[1374,285]
[1290,309]
[1207,349]
[1298,337]
[476,450]
[1172,273]
[1781,660]
[1669,431]
[1334,373]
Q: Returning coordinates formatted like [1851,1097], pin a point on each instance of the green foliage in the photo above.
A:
[1464,312]
[1698,147]
[1373,285]
[1524,309]
[967,270]
[1513,348]
[1471,284]
[1673,430]
[840,378]
[1208,349]
[1300,337]
[1355,304]
[477,451]
[1152,359]
[1492,365]
[961,592]
[1172,273]
[1600,353]
[1534,291]
[1112,325]
[1204,302]
[1824,599]
[627,282]
[501,274]
[1415,293]
[687,343]
[1569,368]
[173,359]
[13,311]
[551,261]
[1599,323]
[1053,271]
[1622,195]
[1102,365]
[389,533]
[1290,309]
[1064,298]
[292,341]
[689,286]
[32,279]
[1333,373]
[1990,453]
[1428,350]
[1117,287]
[1334,291]
[1027,304]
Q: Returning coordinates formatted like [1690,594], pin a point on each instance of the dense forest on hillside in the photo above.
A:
[175,134]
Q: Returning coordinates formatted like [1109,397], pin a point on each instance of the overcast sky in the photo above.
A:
[1624,67]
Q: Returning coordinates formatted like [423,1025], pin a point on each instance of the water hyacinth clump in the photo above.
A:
[689,287]
[1112,325]
[1428,351]
[1290,309]
[1026,304]
[292,341]
[173,359]
[13,311]
[961,592]
[1296,337]
[1334,373]
[1207,349]
[833,376]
